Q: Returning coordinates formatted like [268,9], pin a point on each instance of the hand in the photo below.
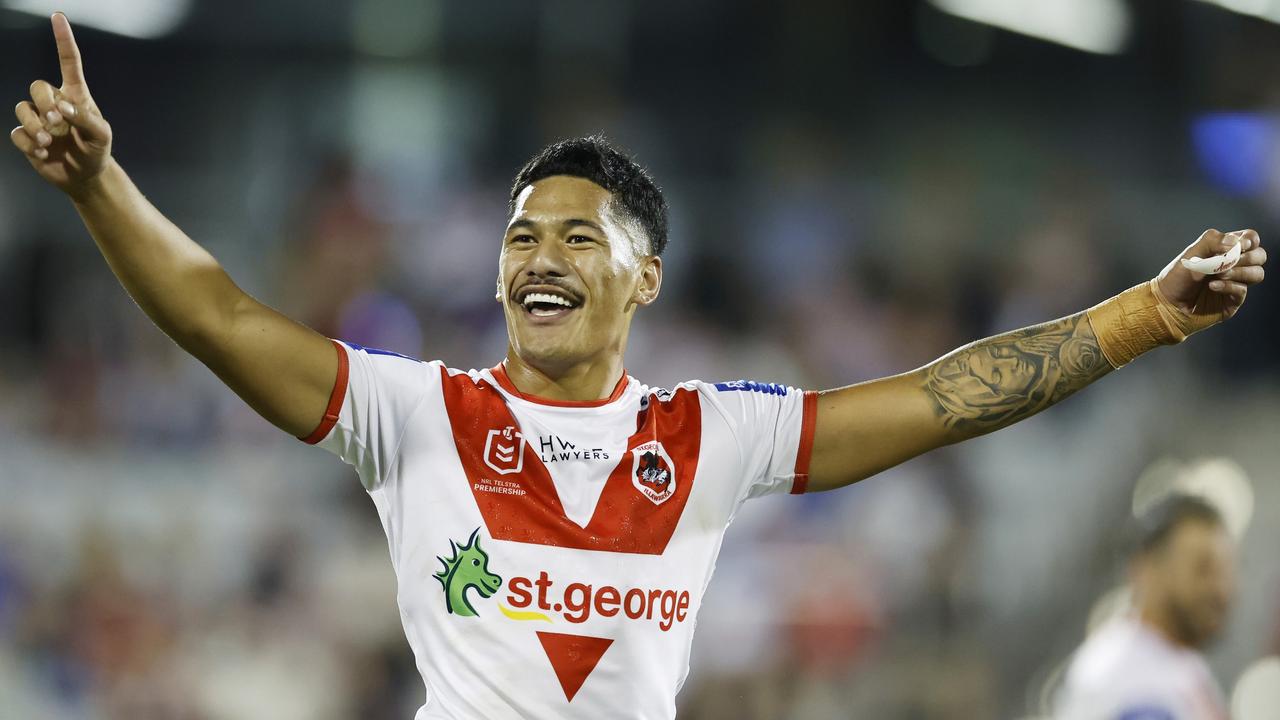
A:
[1206,300]
[63,133]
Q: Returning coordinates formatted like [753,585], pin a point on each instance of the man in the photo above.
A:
[1146,664]
[552,521]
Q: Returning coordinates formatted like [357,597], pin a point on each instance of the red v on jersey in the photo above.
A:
[573,657]
[528,510]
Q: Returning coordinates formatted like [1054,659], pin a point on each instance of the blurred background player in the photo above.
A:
[1146,664]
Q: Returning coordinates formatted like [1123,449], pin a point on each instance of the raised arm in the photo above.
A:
[283,369]
[992,383]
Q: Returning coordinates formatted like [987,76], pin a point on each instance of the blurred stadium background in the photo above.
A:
[857,188]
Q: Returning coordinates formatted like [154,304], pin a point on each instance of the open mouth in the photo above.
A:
[547,302]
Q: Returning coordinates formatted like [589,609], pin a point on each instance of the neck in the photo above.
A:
[581,382]
[1159,620]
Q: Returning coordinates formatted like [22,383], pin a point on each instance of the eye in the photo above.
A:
[475,562]
[521,239]
[579,239]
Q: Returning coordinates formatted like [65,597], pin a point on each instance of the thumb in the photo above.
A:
[1210,243]
[93,128]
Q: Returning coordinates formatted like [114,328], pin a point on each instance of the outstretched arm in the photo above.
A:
[283,369]
[992,383]
[1000,380]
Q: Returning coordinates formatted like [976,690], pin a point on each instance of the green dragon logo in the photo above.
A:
[467,567]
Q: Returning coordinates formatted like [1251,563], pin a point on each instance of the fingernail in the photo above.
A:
[67,108]
[1215,285]
[43,138]
[42,153]
[54,117]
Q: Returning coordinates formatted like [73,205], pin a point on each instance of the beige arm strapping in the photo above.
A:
[1138,320]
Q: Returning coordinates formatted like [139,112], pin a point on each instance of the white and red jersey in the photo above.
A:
[1128,671]
[551,556]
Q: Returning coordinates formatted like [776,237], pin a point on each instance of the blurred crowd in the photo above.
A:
[164,553]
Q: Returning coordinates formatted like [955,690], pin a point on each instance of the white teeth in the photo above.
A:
[537,297]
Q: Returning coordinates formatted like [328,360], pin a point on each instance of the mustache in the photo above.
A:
[555,282]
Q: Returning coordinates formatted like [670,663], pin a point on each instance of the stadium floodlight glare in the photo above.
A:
[1265,9]
[143,19]
[1097,26]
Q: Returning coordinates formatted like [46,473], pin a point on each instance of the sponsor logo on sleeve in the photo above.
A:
[379,351]
[752,386]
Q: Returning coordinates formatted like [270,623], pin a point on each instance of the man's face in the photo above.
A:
[572,274]
[1196,575]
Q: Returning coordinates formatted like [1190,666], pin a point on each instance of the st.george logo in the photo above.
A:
[504,450]
[653,472]
[466,568]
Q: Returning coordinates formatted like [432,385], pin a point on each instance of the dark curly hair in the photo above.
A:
[636,196]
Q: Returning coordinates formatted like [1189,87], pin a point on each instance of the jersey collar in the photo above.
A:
[504,381]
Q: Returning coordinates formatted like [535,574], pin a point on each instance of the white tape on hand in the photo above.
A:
[1216,264]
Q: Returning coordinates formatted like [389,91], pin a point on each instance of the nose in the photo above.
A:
[548,260]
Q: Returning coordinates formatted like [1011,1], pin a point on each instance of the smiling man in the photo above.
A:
[553,522]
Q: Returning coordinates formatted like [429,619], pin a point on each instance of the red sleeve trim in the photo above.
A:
[335,399]
[805,450]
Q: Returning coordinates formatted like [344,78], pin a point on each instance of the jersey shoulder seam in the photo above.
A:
[404,429]
[704,390]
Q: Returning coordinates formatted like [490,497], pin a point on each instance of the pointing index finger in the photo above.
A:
[68,53]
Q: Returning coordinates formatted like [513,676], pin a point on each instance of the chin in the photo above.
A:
[550,351]
[1206,632]
[1211,630]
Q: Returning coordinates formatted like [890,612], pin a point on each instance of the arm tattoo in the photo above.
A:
[998,381]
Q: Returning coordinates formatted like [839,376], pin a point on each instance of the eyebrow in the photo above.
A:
[572,222]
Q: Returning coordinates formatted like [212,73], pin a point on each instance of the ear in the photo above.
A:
[650,281]
[497,293]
